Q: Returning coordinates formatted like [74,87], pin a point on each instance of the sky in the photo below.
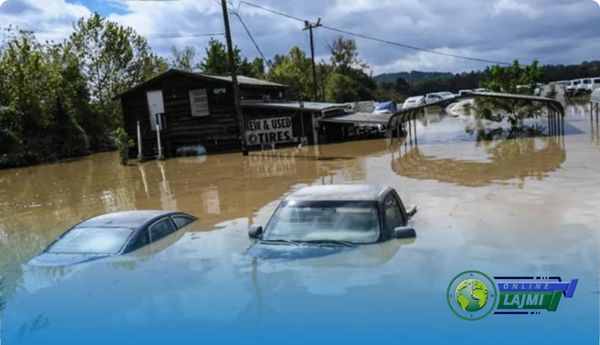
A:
[554,32]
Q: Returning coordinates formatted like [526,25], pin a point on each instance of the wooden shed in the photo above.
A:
[190,109]
[184,112]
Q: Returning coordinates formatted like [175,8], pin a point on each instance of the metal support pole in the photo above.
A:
[158,142]
[562,128]
[140,156]
[236,92]
[415,128]
[310,26]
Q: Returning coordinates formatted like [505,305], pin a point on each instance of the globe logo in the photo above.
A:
[472,295]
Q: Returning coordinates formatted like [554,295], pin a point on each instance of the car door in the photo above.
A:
[160,229]
[394,214]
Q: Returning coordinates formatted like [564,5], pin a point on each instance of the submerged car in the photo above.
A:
[322,220]
[110,235]
[413,102]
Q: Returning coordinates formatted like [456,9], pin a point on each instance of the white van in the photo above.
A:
[595,84]
[586,84]
[571,85]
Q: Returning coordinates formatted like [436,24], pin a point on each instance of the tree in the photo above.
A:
[511,79]
[184,59]
[216,61]
[112,59]
[344,55]
[293,70]
[341,88]
[42,93]
[345,61]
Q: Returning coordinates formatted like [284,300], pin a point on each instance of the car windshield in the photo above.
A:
[351,221]
[92,240]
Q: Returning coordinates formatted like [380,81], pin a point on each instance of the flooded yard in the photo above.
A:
[488,200]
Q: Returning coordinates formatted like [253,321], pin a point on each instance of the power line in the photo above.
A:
[185,35]
[252,38]
[376,39]
[403,45]
[272,11]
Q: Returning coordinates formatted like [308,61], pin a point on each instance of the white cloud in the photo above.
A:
[513,6]
[499,30]
[50,19]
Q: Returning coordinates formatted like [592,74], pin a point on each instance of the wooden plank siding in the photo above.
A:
[218,132]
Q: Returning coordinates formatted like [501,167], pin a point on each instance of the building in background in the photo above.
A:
[192,110]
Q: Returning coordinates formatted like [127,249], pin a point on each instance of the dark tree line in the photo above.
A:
[422,83]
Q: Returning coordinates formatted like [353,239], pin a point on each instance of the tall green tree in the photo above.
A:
[216,61]
[184,59]
[112,59]
[294,70]
[349,72]
[42,96]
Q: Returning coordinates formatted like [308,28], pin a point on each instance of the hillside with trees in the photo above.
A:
[419,83]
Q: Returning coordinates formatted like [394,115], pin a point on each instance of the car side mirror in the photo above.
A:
[404,232]
[255,231]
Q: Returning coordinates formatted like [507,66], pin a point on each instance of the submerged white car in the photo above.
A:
[413,102]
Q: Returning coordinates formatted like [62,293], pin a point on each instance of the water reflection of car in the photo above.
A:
[110,235]
[322,220]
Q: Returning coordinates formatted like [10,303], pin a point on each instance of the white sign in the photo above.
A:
[269,131]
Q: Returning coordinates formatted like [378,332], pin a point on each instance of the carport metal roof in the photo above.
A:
[306,106]
[359,119]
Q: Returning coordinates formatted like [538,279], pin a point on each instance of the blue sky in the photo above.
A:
[558,31]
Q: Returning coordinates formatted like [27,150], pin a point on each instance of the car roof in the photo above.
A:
[342,192]
[128,219]
[414,98]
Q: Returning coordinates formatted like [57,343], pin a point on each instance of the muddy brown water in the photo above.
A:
[509,206]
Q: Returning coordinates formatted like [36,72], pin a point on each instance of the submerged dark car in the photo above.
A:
[322,220]
[109,235]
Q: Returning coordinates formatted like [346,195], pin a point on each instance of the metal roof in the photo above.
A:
[129,219]
[595,97]
[550,102]
[243,80]
[341,192]
[308,106]
[359,118]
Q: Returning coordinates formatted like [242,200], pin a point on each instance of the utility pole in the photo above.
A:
[236,90]
[310,26]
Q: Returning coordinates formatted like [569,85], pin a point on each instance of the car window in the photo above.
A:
[161,229]
[393,215]
[142,240]
[181,221]
[352,221]
[92,240]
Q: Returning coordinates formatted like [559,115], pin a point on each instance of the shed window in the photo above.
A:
[199,102]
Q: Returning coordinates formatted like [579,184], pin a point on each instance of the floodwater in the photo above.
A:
[525,206]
